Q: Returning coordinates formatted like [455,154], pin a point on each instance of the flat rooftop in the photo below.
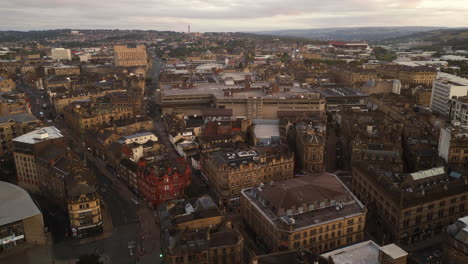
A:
[453,79]
[340,92]
[266,129]
[362,253]
[39,135]
[217,90]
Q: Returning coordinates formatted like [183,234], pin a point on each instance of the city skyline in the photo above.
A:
[221,15]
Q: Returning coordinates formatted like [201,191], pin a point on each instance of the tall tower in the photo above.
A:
[189,29]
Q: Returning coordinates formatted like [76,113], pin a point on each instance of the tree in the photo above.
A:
[89,259]
[384,54]
[285,58]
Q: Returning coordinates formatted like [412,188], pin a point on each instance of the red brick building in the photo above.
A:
[162,183]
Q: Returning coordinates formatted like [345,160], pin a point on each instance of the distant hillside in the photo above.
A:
[457,38]
[351,33]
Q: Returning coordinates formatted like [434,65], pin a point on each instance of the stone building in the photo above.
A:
[373,138]
[456,244]
[81,116]
[61,100]
[459,109]
[420,140]
[84,207]
[310,144]
[13,126]
[353,77]
[229,171]
[453,145]
[125,56]
[253,100]
[14,104]
[411,207]
[198,233]
[62,70]
[316,212]
[61,54]
[6,85]
[413,76]
[25,152]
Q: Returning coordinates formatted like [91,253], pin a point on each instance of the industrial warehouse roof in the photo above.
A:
[15,204]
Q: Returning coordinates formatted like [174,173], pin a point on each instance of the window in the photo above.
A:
[429,217]
[418,219]
[351,221]
[451,209]
[406,223]
[441,213]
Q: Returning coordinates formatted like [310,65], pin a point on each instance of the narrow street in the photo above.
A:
[147,233]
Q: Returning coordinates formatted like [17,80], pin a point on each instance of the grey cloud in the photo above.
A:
[210,14]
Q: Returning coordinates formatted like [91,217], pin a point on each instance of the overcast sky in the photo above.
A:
[225,15]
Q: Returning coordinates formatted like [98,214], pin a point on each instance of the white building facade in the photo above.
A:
[445,87]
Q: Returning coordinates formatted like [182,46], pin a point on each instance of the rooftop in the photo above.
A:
[137,135]
[218,91]
[18,118]
[39,135]
[197,241]
[340,92]
[453,79]
[300,256]
[362,253]
[266,128]
[427,173]
[305,201]
[15,204]
[459,230]
[393,251]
